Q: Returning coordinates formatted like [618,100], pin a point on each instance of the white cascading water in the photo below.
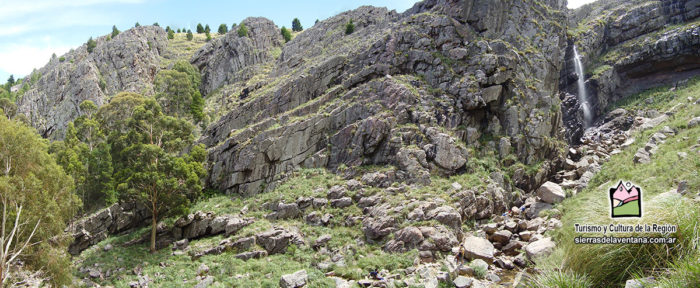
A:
[582,97]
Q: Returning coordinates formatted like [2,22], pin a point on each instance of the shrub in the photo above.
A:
[91,45]
[223,29]
[156,24]
[296,25]
[200,28]
[242,30]
[137,24]
[178,30]
[189,35]
[349,28]
[167,29]
[61,59]
[115,31]
[171,34]
[208,36]
[286,34]
[207,29]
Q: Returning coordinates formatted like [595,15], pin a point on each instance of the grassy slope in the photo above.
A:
[610,265]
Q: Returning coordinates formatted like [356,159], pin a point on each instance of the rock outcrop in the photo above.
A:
[233,58]
[437,77]
[94,228]
[129,62]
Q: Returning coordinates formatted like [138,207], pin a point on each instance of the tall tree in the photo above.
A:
[296,25]
[31,180]
[85,155]
[223,29]
[160,176]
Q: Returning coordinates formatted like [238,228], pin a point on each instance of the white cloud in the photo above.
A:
[21,59]
[573,4]
[19,9]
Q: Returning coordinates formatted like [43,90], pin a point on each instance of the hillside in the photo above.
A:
[455,144]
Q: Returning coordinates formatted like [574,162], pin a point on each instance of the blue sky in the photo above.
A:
[31,30]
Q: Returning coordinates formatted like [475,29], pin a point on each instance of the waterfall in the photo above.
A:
[582,97]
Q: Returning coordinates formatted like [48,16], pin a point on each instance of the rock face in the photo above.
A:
[631,46]
[433,79]
[232,58]
[129,62]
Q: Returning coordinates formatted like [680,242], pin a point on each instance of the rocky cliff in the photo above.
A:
[424,85]
[129,62]
[628,47]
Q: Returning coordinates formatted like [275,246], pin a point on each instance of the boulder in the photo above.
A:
[539,248]
[551,192]
[478,248]
[294,280]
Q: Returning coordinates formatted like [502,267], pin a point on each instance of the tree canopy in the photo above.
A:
[223,29]
[31,179]
[286,34]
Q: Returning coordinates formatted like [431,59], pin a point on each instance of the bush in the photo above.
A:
[223,29]
[286,34]
[200,28]
[349,28]
[208,36]
[296,25]
[91,45]
[189,35]
[167,29]
[156,24]
[137,24]
[171,34]
[242,30]
[61,59]
[178,30]
[207,29]
[115,31]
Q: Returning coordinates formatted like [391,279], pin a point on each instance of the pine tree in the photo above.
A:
[137,24]
[286,34]
[200,28]
[296,25]
[207,29]
[115,31]
[91,45]
[349,28]
[171,34]
[223,29]
[189,35]
[242,30]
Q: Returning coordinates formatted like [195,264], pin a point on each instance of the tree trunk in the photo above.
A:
[154,225]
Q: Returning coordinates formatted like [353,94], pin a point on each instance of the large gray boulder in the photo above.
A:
[478,248]
[294,280]
[551,192]
[539,248]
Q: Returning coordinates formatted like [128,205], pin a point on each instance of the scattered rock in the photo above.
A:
[462,282]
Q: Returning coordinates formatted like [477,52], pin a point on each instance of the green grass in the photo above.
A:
[584,265]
